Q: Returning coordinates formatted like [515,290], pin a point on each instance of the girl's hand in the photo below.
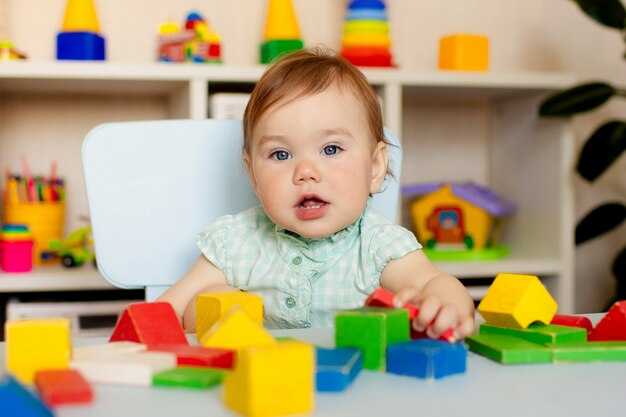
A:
[436,315]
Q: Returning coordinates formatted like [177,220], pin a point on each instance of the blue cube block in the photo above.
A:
[337,368]
[426,358]
[80,46]
[16,400]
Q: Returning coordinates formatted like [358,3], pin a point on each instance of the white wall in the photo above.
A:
[525,35]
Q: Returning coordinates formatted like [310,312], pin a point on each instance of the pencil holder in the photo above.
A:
[44,220]
[16,249]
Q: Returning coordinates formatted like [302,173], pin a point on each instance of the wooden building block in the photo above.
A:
[272,380]
[236,330]
[337,368]
[211,307]
[105,349]
[149,323]
[371,329]
[426,358]
[134,369]
[589,352]
[508,349]
[540,333]
[35,344]
[516,301]
[612,326]
[188,377]
[65,386]
[383,298]
[17,400]
[464,52]
[199,356]
[572,321]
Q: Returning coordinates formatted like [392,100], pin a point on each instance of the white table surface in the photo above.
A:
[486,389]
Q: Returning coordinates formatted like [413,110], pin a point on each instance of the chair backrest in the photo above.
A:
[153,186]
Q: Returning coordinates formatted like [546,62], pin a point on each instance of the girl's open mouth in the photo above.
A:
[310,207]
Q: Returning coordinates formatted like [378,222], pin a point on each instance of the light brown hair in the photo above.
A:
[308,72]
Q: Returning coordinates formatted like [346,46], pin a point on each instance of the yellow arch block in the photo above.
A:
[516,301]
[80,15]
[281,22]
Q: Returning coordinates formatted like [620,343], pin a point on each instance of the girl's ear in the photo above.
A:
[380,160]
[248,161]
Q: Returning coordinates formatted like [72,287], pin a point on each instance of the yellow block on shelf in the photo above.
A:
[464,52]
[81,16]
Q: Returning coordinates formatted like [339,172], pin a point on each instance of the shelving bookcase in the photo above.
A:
[453,125]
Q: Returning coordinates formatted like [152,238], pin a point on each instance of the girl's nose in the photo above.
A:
[306,171]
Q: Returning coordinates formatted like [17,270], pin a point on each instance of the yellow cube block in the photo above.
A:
[464,52]
[32,345]
[272,380]
[236,330]
[516,301]
[212,306]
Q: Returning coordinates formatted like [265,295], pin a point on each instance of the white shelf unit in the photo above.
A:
[454,126]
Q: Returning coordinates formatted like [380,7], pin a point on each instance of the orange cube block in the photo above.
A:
[464,52]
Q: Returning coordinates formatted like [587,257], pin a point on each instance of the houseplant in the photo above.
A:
[605,145]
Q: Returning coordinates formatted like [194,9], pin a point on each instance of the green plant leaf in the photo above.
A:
[581,98]
[602,148]
[600,220]
[619,266]
[610,13]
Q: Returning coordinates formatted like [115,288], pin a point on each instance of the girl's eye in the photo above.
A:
[331,150]
[280,155]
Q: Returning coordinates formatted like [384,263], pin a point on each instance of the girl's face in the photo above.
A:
[313,165]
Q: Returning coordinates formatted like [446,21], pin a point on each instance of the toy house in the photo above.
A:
[458,221]
[196,42]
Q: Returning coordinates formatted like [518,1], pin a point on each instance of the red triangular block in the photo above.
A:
[612,326]
[149,323]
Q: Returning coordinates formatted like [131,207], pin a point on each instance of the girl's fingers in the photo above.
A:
[404,296]
[429,308]
[448,317]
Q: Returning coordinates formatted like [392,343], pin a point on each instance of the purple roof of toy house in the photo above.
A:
[481,196]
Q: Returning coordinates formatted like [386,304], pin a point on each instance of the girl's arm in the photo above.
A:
[203,277]
[442,299]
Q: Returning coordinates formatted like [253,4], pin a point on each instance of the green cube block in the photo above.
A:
[371,329]
[188,377]
[272,49]
[508,349]
[588,352]
[540,333]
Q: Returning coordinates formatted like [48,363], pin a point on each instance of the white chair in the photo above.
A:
[153,186]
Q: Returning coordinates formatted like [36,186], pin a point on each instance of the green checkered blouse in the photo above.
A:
[304,282]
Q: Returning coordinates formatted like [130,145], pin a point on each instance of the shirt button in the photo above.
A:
[290,302]
[297,260]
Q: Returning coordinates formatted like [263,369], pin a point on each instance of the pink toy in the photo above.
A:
[16,249]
